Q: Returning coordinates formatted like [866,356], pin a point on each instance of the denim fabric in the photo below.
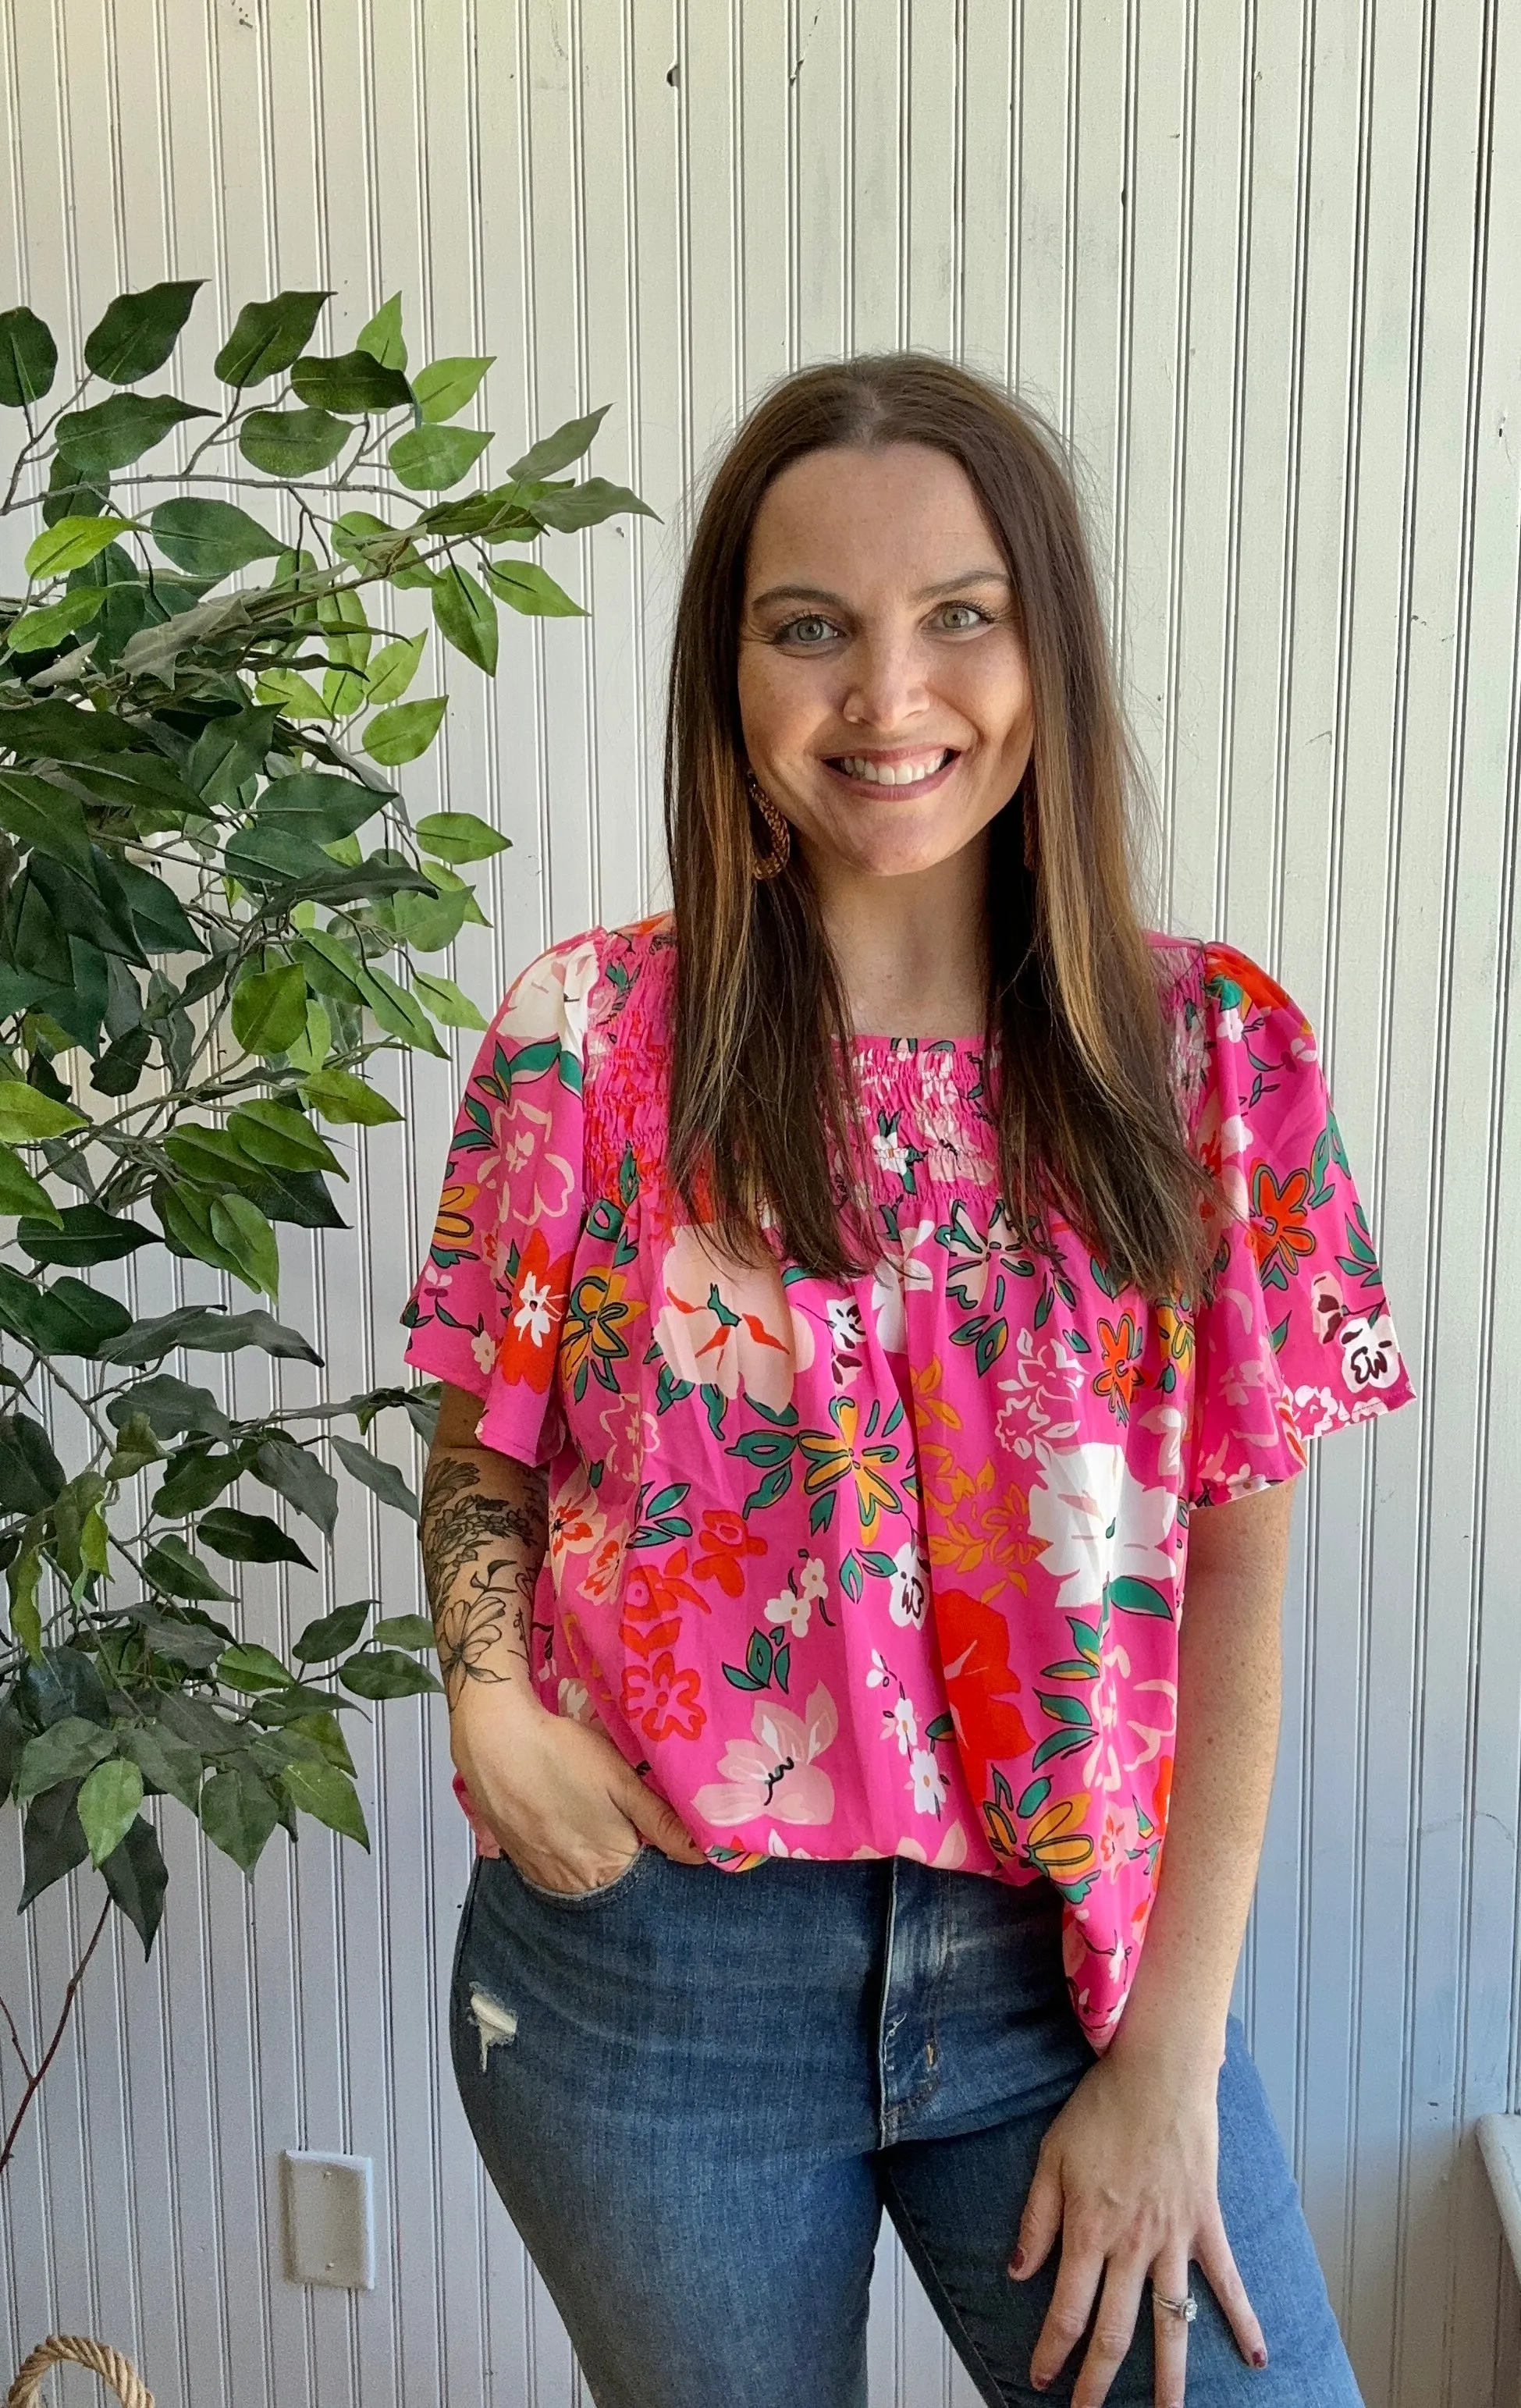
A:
[696,2091]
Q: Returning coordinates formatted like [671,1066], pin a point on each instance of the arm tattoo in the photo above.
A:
[477,1604]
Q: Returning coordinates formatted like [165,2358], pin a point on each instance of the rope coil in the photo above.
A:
[61,2348]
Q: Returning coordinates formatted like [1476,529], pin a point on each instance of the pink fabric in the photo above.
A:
[895,1565]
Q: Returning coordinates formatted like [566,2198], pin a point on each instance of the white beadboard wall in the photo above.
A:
[1262,263]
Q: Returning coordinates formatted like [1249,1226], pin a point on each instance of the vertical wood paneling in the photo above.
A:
[1260,265]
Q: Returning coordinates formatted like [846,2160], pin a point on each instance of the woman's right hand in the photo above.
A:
[556,1794]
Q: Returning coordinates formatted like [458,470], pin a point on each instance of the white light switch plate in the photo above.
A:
[329,2219]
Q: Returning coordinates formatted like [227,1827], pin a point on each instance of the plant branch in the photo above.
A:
[35,2079]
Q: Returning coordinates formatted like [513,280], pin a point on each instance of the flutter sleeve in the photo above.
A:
[1294,1336]
[486,1310]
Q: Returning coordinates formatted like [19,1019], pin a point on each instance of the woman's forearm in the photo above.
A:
[1229,1683]
[482,1538]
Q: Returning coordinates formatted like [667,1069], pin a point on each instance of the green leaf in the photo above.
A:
[381,338]
[136,1876]
[342,1098]
[1133,1595]
[573,507]
[443,999]
[321,1790]
[169,1405]
[81,1235]
[20,1193]
[267,336]
[108,1806]
[28,358]
[430,459]
[352,384]
[293,695]
[44,817]
[294,1472]
[405,731]
[375,1473]
[316,805]
[445,387]
[458,836]
[119,431]
[279,1138]
[246,1238]
[196,1477]
[134,1450]
[208,1330]
[31,1475]
[139,332]
[556,452]
[238,1812]
[69,1318]
[167,1764]
[170,1566]
[322,1641]
[254,1668]
[70,543]
[385,1672]
[64,1751]
[292,442]
[28,1115]
[526,587]
[412,1631]
[52,1841]
[399,1014]
[210,539]
[158,916]
[465,617]
[24,1577]
[39,631]
[393,670]
[250,1538]
[269,1008]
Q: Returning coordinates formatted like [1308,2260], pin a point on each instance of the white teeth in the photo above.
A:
[890,773]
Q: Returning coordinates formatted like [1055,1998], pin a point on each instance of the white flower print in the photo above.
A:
[891,1152]
[574,1702]
[846,1327]
[1096,1522]
[902,1724]
[1369,1355]
[879,1675]
[792,1611]
[908,1592]
[925,1780]
[813,1580]
[1037,1399]
[483,1349]
[893,1277]
[535,1308]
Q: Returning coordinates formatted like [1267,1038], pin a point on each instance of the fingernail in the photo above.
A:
[1016,2263]
[1259,2358]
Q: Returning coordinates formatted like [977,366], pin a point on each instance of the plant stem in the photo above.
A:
[34,2081]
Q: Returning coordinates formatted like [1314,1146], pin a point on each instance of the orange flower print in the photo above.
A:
[652,1605]
[1280,1236]
[725,1540]
[453,1228]
[1120,1345]
[979,1684]
[534,1316]
[664,1701]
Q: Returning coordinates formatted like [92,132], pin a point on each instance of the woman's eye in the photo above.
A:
[795,629]
[977,618]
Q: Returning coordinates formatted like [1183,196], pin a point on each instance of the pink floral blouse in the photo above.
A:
[892,1565]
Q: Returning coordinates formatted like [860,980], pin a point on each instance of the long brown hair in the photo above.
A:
[762,1109]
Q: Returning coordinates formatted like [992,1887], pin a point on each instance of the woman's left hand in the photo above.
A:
[1126,2176]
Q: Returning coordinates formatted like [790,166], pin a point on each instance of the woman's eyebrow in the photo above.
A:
[924,593]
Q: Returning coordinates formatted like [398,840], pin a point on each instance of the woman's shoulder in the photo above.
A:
[583,982]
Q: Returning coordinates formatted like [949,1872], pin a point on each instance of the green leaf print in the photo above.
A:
[1138,1596]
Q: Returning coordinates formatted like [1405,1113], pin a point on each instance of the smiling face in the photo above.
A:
[885,693]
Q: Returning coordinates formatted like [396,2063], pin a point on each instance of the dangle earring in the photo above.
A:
[772,862]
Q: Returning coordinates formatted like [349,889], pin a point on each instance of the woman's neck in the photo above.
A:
[910,952]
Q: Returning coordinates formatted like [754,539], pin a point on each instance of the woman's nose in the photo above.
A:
[884,682]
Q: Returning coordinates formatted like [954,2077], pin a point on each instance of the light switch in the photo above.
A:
[329,2219]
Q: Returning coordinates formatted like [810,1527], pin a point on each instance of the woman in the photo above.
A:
[858,1294]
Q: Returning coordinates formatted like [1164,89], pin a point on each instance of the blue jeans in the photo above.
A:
[696,2091]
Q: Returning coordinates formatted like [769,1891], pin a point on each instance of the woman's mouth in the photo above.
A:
[911,773]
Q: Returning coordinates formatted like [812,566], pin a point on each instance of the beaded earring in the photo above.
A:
[771,862]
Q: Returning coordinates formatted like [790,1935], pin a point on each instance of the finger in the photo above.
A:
[1114,2329]
[1169,2331]
[1040,2223]
[1067,2318]
[1218,2267]
[657,1822]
